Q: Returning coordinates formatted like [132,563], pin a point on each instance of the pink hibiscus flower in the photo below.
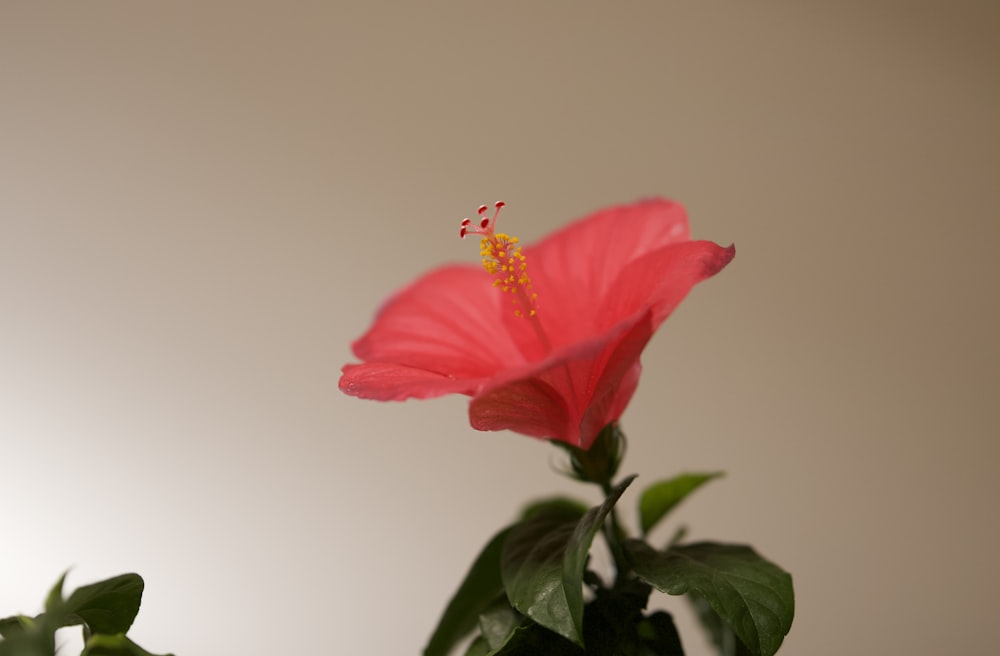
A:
[547,340]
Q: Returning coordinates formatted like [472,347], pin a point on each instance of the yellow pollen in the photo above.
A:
[502,258]
[500,252]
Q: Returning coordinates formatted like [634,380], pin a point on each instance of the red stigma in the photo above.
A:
[486,223]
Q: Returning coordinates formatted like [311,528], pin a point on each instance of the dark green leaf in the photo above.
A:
[542,564]
[579,548]
[662,497]
[754,596]
[497,624]
[570,508]
[108,606]
[478,647]
[531,564]
[530,639]
[611,619]
[658,636]
[113,645]
[719,633]
[482,585]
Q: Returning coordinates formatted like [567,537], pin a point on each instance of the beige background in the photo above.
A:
[203,203]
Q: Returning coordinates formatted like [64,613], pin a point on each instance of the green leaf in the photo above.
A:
[25,645]
[16,624]
[54,600]
[542,564]
[498,623]
[571,508]
[478,647]
[662,497]
[530,639]
[531,564]
[719,633]
[26,636]
[658,636]
[481,586]
[108,606]
[483,583]
[753,595]
[579,549]
[611,620]
[113,645]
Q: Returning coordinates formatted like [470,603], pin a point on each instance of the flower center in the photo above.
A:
[502,259]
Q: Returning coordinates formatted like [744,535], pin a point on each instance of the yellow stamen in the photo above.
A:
[503,259]
[500,252]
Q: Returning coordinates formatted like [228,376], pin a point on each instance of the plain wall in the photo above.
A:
[203,203]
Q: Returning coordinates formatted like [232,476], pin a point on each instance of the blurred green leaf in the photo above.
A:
[570,508]
[54,600]
[108,606]
[14,625]
[660,498]
[542,563]
[113,645]
[754,596]
[106,609]
[27,645]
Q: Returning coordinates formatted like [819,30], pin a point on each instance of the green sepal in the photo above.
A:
[663,496]
[753,595]
[481,586]
[600,462]
[542,564]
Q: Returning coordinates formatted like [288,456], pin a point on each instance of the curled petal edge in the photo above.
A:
[387,381]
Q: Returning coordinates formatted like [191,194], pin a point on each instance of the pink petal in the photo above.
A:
[572,395]
[447,322]
[529,406]
[661,279]
[386,381]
